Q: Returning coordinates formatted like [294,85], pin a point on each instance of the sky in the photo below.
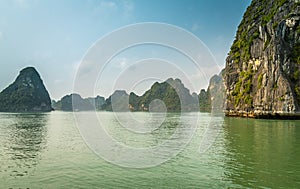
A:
[59,38]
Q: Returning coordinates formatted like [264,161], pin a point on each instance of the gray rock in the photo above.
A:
[26,94]
[262,73]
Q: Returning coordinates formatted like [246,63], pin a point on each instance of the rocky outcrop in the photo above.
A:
[262,74]
[74,102]
[26,94]
[216,90]
[170,95]
[117,102]
[204,101]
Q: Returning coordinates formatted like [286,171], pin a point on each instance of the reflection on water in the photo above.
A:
[47,151]
[22,138]
[262,152]
[157,133]
[114,140]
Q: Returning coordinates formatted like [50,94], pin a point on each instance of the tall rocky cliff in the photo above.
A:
[216,91]
[26,94]
[262,73]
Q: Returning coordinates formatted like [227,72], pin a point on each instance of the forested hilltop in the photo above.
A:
[26,94]
[170,95]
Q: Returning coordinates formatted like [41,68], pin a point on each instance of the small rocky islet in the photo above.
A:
[26,94]
[261,78]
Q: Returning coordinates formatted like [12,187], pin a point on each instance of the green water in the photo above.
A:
[47,151]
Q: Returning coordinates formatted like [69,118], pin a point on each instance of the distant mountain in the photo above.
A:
[118,101]
[74,102]
[172,92]
[216,90]
[205,101]
[170,95]
[26,94]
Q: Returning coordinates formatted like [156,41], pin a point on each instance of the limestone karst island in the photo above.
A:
[261,78]
[262,73]
[26,94]
[162,94]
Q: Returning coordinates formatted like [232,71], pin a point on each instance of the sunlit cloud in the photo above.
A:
[128,8]
[123,63]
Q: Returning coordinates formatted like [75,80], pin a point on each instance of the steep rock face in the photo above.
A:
[216,91]
[26,94]
[262,74]
[204,101]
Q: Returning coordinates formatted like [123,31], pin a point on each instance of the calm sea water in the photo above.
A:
[47,151]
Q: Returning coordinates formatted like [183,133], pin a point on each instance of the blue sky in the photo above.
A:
[54,36]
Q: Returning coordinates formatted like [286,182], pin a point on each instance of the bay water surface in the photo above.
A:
[47,151]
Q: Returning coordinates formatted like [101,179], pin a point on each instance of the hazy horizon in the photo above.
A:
[54,37]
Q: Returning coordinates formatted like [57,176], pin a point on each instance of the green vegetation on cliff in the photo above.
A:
[262,72]
[162,91]
[171,93]
[204,101]
[26,94]
[74,102]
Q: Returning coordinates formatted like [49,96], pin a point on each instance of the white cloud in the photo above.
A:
[106,7]
[121,63]
[108,4]
[195,27]
[128,6]
[25,4]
